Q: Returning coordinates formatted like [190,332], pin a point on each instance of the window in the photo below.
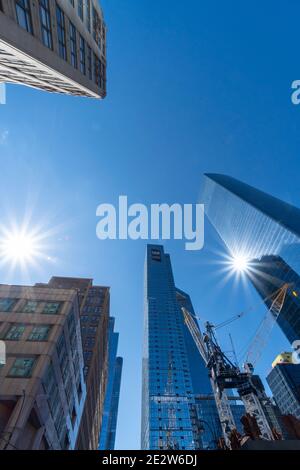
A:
[61,346]
[89,62]
[61,32]
[51,308]
[71,324]
[15,332]
[46,23]
[73,44]
[6,304]
[30,306]
[82,55]
[22,367]
[96,69]
[156,255]
[89,343]
[39,333]
[24,15]
[80,9]
[96,27]
[88,14]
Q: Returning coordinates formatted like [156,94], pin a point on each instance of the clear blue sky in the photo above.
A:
[193,87]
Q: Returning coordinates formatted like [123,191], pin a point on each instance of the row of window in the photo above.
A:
[7,304]
[25,21]
[38,333]
[86,56]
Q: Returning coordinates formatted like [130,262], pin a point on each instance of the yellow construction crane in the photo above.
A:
[263,332]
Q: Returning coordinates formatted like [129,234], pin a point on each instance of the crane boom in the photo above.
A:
[264,330]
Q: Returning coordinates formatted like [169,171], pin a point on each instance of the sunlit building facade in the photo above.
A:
[94,307]
[54,45]
[42,388]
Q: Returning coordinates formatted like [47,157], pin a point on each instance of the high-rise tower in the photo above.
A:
[264,232]
[173,370]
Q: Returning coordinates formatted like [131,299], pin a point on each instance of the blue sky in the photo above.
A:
[193,87]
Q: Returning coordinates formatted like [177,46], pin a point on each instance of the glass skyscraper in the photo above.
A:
[111,403]
[268,274]
[263,230]
[173,370]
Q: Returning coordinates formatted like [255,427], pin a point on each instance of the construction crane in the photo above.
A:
[264,330]
[225,375]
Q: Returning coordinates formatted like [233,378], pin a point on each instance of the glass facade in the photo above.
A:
[173,370]
[263,230]
[284,381]
[111,404]
[268,274]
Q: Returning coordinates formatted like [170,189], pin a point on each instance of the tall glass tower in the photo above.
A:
[268,274]
[264,231]
[252,223]
[173,370]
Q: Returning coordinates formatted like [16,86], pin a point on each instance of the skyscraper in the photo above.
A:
[94,304]
[111,403]
[268,274]
[250,222]
[173,370]
[42,388]
[284,381]
[57,46]
[265,232]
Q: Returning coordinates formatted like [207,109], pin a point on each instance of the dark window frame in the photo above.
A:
[22,7]
[61,32]
[46,27]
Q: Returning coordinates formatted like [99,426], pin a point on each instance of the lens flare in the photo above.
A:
[240,263]
[18,247]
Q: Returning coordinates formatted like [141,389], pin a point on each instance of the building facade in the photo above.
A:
[42,388]
[173,370]
[111,404]
[284,381]
[54,45]
[270,273]
[94,306]
[250,222]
